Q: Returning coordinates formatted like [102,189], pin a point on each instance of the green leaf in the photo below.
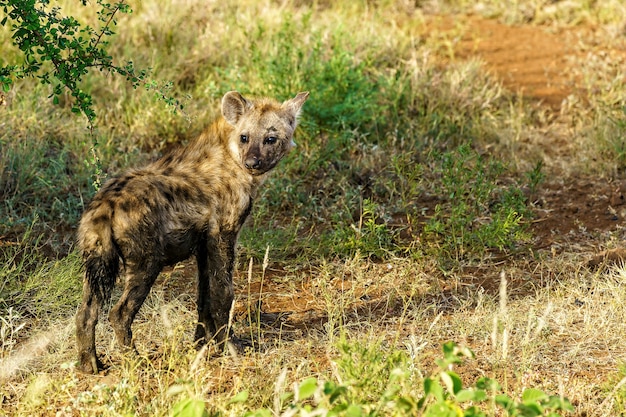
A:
[263,412]
[487,384]
[307,388]
[406,404]
[241,397]
[189,407]
[475,395]
[559,403]
[453,353]
[432,387]
[452,381]
[533,395]
[286,396]
[530,410]
[473,412]
[354,411]
[333,391]
[505,402]
[442,409]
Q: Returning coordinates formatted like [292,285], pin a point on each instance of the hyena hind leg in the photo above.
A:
[86,320]
[136,289]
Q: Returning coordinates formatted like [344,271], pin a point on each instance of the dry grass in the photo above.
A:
[562,338]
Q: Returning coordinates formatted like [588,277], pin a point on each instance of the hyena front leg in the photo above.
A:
[139,280]
[216,259]
[86,320]
[206,328]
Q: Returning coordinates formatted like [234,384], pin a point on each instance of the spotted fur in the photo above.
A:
[192,202]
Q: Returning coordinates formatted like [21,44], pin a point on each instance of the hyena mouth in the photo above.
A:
[256,166]
[258,171]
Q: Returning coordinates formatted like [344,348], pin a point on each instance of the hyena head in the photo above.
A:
[263,129]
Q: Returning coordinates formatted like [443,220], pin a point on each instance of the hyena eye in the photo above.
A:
[244,139]
[270,140]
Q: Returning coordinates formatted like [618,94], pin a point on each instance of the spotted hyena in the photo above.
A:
[190,202]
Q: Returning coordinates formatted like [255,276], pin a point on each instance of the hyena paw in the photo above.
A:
[238,345]
[89,364]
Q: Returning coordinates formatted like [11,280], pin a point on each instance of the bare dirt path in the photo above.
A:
[538,62]
[532,61]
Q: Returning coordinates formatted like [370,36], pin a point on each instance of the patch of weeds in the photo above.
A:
[19,258]
[368,369]
[615,138]
[535,177]
[39,179]
[55,285]
[401,183]
[34,286]
[374,383]
[287,239]
[479,212]
[369,237]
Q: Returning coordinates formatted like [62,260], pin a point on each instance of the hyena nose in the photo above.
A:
[253,162]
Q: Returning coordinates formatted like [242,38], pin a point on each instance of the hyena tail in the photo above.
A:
[101,256]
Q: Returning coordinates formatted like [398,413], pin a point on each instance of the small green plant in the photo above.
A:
[188,405]
[407,180]
[445,395]
[535,177]
[370,237]
[375,384]
[478,213]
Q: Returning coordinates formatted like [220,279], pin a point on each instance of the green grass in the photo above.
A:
[409,176]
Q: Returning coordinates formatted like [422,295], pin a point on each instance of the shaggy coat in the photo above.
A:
[190,202]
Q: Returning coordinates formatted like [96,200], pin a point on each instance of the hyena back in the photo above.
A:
[191,202]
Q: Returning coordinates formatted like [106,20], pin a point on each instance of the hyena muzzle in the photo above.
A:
[190,202]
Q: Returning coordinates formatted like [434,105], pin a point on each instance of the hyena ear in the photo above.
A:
[234,106]
[295,105]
